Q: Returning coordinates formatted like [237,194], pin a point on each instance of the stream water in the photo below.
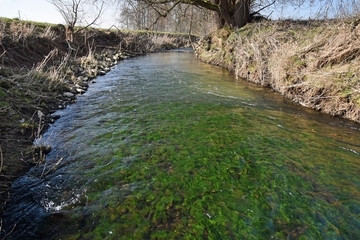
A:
[167,147]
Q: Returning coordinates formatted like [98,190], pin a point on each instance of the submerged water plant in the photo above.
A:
[173,154]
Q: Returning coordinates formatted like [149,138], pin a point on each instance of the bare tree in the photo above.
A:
[84,13]
[185,18]
[236,13]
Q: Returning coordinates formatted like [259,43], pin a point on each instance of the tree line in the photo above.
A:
[191,16]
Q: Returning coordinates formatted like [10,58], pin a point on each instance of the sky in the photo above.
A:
[34,10]
[43,11]
[37,10]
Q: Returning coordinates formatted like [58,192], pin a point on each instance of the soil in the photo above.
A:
[18,115]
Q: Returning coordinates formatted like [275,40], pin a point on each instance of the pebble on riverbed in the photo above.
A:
[84,71]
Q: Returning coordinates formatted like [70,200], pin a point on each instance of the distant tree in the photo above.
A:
[139,15]
[84,13]
[236,13]
[231,13]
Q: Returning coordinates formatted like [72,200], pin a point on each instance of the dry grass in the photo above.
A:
[49,34]
[89,58]
[32,86]
[21,31]
[316,64]
[49,78]
[162,39]
[2,31]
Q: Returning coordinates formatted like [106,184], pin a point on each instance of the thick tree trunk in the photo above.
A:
[242,13]
[233,13]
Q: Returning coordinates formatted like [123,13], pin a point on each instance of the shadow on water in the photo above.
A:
[166,147]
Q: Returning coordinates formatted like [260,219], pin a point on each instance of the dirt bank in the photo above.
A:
[40,73]
[313,63]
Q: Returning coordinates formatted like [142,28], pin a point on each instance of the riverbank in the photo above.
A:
[313,63]
[40,72]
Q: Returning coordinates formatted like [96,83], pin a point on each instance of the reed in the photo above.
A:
[21,31]
[48,34]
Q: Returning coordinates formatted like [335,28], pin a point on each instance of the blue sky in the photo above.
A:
[43,11]
[279,11]
[37,10]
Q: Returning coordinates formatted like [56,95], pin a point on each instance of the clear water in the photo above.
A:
[167,147]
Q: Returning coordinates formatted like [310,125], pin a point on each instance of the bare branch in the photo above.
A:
[261,9]
[76,12]
[100,12]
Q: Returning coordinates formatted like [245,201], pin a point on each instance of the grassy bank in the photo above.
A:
[313,63]
[40,72]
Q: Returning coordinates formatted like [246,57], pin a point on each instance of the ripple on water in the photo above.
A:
[167,147]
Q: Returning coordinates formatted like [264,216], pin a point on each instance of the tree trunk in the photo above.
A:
[233,13]
[69,33]
[242,13]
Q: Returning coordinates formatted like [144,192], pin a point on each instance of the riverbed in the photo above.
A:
[167,147]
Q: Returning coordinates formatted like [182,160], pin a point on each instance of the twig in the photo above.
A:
[46,59]
[57,163]
[37,135]
[42,174]
[1,160]
[9,232]
[254,13]
[12,105]
[3,53]
[70,47]
[7,177]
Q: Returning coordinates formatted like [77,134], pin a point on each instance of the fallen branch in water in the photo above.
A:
[43,174]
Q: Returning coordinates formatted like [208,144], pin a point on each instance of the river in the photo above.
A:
[167,147]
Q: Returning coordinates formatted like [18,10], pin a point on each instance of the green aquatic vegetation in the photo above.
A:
[189,181]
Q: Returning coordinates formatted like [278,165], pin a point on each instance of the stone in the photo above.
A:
[101,72]
[68,94]
[82,79]
[80,90]
[55,116]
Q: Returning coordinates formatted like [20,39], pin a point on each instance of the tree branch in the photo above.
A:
[254,13]
[162,14]
[100,11]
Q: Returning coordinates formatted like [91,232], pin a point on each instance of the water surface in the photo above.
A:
[167,147]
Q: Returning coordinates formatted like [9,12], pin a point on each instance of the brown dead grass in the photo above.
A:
[314,63]
[35,71]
